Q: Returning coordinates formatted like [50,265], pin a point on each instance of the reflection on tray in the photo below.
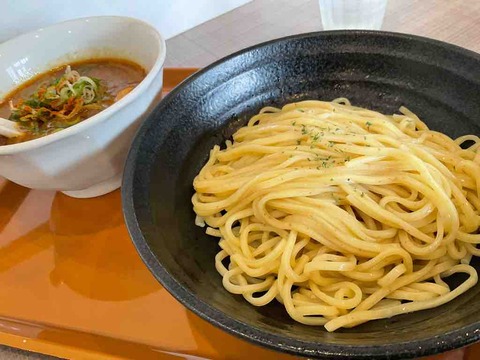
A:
[72,217]
[22,237]
[92,250]
[24,248]
[12,197]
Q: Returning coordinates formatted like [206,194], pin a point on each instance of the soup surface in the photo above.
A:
[67,95]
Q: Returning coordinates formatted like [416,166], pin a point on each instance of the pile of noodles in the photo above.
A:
[340,213]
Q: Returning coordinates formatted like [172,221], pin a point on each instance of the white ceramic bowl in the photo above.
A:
[87,159]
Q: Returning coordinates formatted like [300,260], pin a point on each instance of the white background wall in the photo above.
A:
[171,17]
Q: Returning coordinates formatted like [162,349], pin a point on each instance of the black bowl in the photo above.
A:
[438,81]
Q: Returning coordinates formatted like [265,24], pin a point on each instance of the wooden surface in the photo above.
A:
[454,21]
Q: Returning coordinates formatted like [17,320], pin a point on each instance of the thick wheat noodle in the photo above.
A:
[342,214]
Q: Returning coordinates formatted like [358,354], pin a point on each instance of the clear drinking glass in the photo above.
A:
[352,14]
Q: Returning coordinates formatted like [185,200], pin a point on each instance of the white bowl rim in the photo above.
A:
[92,121]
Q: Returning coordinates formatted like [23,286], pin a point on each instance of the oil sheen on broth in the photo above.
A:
[101,82]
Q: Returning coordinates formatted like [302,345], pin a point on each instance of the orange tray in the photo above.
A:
[73,285]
